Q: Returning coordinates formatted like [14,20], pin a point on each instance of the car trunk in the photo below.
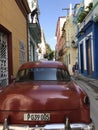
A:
[59,100]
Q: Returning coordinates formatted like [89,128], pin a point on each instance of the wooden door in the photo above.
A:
[89,66]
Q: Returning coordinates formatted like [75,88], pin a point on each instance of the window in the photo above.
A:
[22,53]
[43,74]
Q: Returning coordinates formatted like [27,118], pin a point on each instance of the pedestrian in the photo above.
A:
[73,69]
[76,70]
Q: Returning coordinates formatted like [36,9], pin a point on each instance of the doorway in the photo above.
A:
[89,65]
[81,58]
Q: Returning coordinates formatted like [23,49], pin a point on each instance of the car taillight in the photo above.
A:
[86,100]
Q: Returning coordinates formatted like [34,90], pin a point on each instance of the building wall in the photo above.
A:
[95,40]
[12,19]
[42,47]
[70,54]
[88,48]
[59,27]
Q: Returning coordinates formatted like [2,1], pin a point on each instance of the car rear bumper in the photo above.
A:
[66,126]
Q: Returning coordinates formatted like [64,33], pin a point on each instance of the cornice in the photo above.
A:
[24,7]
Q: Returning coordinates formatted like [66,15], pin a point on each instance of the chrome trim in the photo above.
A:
[5,125]
[66,126]
[75,126]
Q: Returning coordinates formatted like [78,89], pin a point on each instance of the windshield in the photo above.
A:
[39,74]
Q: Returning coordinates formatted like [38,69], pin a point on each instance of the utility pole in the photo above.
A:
[69,9]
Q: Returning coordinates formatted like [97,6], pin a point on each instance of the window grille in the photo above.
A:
[3,60]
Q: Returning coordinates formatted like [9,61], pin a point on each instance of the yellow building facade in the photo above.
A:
[69,46]
[71,54]
[13,37]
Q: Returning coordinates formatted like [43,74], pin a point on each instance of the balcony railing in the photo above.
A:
[35,32]
[86,20]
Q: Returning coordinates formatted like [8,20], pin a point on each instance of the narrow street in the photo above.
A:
[93,94]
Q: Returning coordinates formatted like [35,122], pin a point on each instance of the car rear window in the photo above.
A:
[40,74]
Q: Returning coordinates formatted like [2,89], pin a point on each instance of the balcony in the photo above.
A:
[95,11]
[87,19]
[35,32]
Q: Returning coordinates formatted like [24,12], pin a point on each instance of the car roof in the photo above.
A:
[46,64]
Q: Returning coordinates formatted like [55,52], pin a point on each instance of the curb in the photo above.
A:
[93,83]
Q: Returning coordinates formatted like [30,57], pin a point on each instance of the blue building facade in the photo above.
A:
[88,47]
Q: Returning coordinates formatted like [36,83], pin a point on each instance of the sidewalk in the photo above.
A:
[90,81]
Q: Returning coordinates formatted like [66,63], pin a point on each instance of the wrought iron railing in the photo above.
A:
[86,20]
[3,60]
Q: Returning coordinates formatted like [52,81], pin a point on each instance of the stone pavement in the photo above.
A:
[93,83]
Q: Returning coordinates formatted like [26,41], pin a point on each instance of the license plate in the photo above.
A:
[36,116]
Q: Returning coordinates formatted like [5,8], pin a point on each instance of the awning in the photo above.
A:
[35,32]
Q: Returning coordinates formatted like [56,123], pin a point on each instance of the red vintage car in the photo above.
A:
[44,97]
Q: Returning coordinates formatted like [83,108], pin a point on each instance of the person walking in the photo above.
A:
[76,70]
[73,69]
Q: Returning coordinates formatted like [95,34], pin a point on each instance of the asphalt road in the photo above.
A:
[93,94]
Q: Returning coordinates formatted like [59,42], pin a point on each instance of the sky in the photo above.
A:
[50,11]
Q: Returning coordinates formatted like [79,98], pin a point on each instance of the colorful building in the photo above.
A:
[13,37]
[60,40]
[70,51]
[88,44]
[34,31]
[67,42]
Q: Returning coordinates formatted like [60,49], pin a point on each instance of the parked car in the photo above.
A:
[44,97]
